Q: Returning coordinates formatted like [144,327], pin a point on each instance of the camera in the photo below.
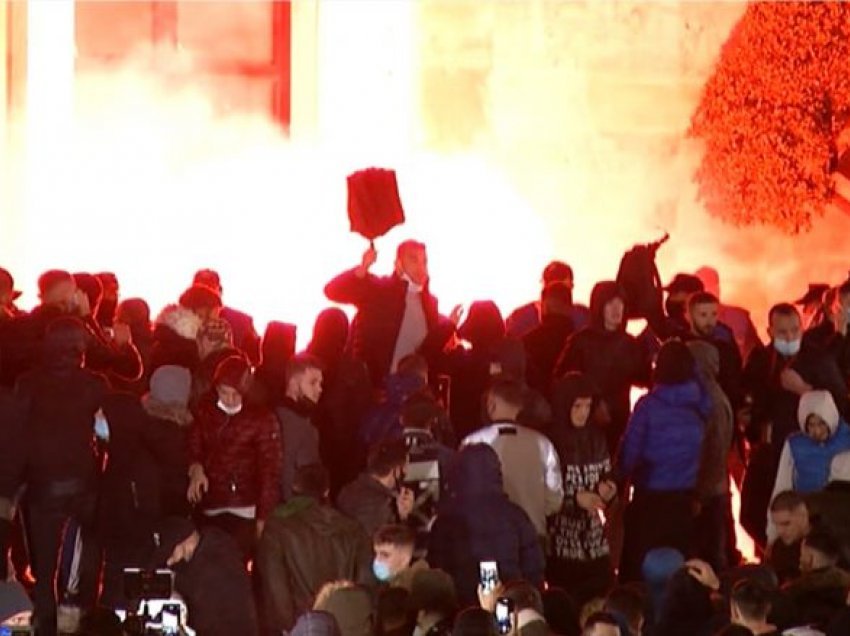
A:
[153,607]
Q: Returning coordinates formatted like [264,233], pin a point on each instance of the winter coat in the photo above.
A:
[380,305]
[300,443]
[175,339]
[479,523]
[59,431]
[241,456]
[147,464]
[530,468]
[662,445]
[13,414]
[369,502]
[804,464]
[813,599]
[24,339]
[304,545]
[774,405]
[613,360]
[469,368]
[574,533]
[713,479]
[827,339]
[543,346]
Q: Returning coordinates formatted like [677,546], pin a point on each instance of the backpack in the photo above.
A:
[638,276]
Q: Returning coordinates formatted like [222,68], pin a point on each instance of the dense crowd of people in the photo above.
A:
[417,474]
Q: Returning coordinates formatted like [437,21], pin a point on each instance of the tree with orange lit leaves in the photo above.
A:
[772,112]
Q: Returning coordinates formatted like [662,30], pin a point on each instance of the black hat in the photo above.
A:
[675,363]
[685,283]
[814,294]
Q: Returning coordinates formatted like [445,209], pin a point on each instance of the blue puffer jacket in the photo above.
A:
[662,444]
[478,523]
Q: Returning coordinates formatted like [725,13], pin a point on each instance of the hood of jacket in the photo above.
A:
[184,322]
[64,345]
[818,403]
[170,412]
[484,326]
[330,335]
[564,394]
[707,358]
[476,470]
[603,293]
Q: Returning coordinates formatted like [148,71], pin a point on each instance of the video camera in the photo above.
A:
[153,607]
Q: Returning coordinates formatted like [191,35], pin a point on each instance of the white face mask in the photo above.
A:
[229,410]
[787,348]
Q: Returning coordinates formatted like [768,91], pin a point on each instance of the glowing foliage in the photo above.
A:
[770,114]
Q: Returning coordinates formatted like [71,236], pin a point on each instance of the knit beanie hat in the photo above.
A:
[171,384]
[234,372]
[13,600]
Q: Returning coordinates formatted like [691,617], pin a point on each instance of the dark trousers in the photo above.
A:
[47,516]
[655,520]
[712,540]
[243,531]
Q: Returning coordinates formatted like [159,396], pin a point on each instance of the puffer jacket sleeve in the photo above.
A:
[631,449]
[269,456]
[195,443]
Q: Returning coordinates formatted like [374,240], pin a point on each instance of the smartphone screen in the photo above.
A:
[504,609]
[488,575]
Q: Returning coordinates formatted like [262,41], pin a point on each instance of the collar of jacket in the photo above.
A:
[296,504]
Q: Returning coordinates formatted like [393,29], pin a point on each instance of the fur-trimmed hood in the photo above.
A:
[184,322]
[177,413]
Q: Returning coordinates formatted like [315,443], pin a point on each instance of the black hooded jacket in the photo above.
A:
[478,523]
[469,369]
[63,399]
[613,360]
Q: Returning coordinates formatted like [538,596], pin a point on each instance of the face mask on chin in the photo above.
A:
[787,348]
[229,410]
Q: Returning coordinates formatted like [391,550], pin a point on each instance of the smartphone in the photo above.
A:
[488,575]
[504,610]
[170,619]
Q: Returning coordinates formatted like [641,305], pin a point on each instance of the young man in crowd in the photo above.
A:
[530,465]
[299,434]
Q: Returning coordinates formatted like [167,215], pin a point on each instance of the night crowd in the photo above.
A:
[418,474]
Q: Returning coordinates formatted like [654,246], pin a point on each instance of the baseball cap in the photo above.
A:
[7,282]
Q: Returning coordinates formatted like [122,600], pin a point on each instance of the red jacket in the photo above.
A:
[241,455]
